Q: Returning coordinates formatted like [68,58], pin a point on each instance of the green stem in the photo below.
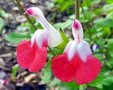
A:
[52,51]
[27,17]
[77,6]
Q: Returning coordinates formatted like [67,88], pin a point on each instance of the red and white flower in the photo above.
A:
[32,54]
[77,62]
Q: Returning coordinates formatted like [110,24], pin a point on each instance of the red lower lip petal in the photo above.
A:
[31,58]
[76,69]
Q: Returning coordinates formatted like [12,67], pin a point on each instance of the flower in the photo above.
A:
[52,32]
[32,54]
[77,62]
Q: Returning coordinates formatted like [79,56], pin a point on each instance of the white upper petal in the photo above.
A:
[77,32]
[68,46]
[54,37]
[84,50]
[39,37]
[71,49]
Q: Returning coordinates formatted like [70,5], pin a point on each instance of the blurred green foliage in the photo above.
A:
[3,15]
[1,24]
[96,17]
[16,37]
[14,72]
[63,5]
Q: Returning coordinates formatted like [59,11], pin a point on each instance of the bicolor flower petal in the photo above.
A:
[77,62]
[53,33]
[32,54]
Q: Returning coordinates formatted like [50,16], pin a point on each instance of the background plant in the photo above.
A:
[97,20]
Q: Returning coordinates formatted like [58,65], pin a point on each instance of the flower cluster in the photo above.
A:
[75,63]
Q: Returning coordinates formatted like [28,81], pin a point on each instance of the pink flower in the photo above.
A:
[32,54]
[77,62]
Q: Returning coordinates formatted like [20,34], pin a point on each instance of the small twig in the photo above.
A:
[8,55]
[52,51]
[4,68]
[27,17]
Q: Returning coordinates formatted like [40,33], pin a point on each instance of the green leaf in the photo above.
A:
[104,79]
[17,37]
[108,87]
[109,1]
[63,5]
[99,56]
[109,63]
[98,82]
[54,82]
[104,22]
[110,44]
[26,26]
[46,77]
[106,32]
[14,72]
[14,69]
[88,16]
[110,48]
[108,80]
[108,8]
[3,13]
[100,43]
[110,15]
[65,40]
[64,25]
[71,85]
[46,73]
